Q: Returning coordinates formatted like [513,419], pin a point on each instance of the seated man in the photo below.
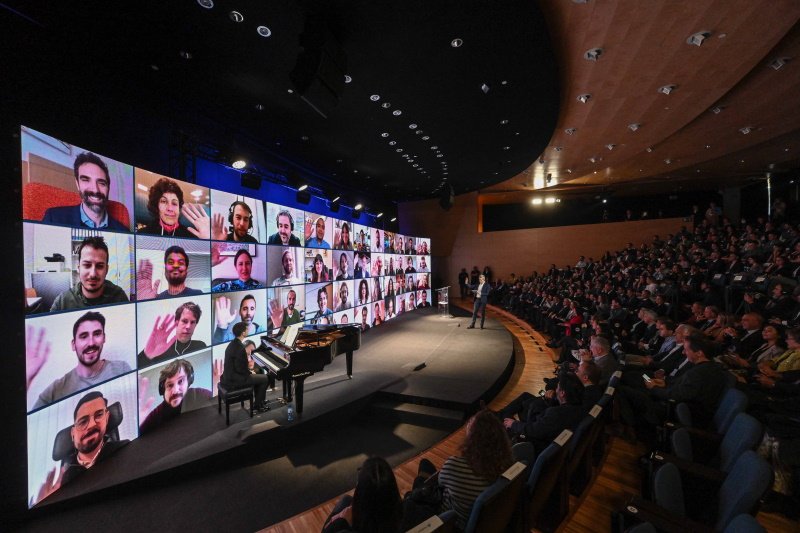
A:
[236,373]
[93,287]
[175,386]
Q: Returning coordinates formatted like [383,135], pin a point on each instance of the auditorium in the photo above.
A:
[320,266]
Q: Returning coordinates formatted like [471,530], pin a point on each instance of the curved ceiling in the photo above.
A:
[470,115]
[732,114]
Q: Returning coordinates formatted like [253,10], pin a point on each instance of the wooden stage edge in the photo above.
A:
[610,487]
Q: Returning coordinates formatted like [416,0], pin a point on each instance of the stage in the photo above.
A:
[419,371]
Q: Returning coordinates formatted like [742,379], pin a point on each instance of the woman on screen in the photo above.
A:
[165,204]
[390,308]
[361,245]
[319,272]
[363,292]
[377,291]
[342,241]
[390,268]
[389,286]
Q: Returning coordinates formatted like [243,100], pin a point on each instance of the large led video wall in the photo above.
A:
[133,282]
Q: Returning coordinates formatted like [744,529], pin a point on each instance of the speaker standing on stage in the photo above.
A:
[481,296]
[236,373]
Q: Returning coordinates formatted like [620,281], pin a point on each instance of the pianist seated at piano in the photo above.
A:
[322,302]
[243,262]
[225,318]
[236,372]
[279,316]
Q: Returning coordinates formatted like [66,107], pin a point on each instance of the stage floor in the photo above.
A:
[460,366]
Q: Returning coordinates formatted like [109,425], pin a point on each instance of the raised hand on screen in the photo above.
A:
[337,238]
[162,335]
[51,483]
[146,289]
[218,232]
[145,402]
[37,350]
[308,228]
[216,374]
[199,219]
[224,313]
[216,257]
[276,313]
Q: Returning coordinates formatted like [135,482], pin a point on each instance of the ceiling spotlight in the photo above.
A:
[304,138]
[506,147]
[456,43]
[746,130]
[239,164]
[648,149]
[485,88]
[605,201]
[666,89]
[236,16]
[593,54]
[384,134]
[397,112]
[263,31]
[260,107]
[778,62]
[358,207]
[668,161]
[347,78]
[708,146]
[386,105]
[379,215]
[558,148]
[536,201]
[392,143]
[375,97]
[290,91]
[394,219]
[634,126]
[418,132]
[185,55]
[302,187]
[549,200]
[570,131]
[412,126]
[355,171]
[595,159]
[434,147]
[425,137]
[415,165]
[583,98]
[336,199]
[697,39]
[399,150]
[569,171]
[717,109]
[504,82]
[504,121]
[208,4]
[439,155]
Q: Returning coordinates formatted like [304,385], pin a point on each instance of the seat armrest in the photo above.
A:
[645,511]
[696,470]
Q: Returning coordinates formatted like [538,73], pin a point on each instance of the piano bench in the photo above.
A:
[233,395]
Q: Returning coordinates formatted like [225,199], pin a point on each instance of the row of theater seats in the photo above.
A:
[536,495]
[697,479]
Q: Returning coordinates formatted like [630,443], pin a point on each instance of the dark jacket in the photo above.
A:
[70,215]
[235,373]
[74,298]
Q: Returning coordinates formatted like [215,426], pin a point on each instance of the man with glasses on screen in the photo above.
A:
[93,287]
[88,339]
[93,183]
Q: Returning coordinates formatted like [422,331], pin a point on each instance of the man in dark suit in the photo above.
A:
[236,373]
[93,182]
[481,297]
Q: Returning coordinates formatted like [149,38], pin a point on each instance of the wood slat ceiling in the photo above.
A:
[681,142]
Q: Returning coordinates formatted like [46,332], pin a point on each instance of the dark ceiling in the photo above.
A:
[438,125]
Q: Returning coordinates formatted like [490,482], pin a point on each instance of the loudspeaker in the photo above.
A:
[318,74]
[251,181]
[447,197]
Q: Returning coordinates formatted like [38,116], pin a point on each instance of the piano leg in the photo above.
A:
[287,389]
[349,357]
[298,385]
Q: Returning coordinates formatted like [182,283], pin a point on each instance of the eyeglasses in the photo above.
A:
[83,422]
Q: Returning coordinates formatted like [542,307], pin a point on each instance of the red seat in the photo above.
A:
[39,197]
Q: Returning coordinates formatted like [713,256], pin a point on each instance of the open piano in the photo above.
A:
[303,350]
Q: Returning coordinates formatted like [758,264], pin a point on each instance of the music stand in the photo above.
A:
[442,295]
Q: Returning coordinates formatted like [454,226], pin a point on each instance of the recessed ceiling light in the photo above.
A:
[260,107]
[397,112]
[558,148]
[264,31]
[386,105]
[778,62]
[434,147]
[239,164]
[184,54]
[290,91]
[648,149]
[418,132]
[425,137]
[668,161]
[412,126]
[717,109]
[338,160]
[304,138]
[208,4]
[415,165]
[634,126]
[384,134]
[696,39]
[355,171]
[506,147]
[392,143]
[569,171]
[154,67]
[504,121]
[358,207]
[570,131]
[583,98]
[745,130]
[504,82]
[439,155]
[708,146]
[456,43]
[592,54]
[666,89]
[302,187]
[393,219]
[399,150]
[611,146]
[236,16]
[404,155]
[347,78]
[485,88]
[375,97]
[741,161]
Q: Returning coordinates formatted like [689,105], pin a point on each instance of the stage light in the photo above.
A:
[550,200]
[239,164]
[379,215]
[335,199]
[394,219]
[302,187]
[358,207]
[536,201]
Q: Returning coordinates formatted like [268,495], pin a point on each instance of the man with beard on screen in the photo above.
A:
[285,223]
[94,183]
[288,276]
[160,345]
[175,386]
[88,339]
[240,217]
[283,317]
[225,318]
[176,267]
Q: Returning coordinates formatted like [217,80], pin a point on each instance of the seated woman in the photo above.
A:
[375,506]
[771,372]
[165,204]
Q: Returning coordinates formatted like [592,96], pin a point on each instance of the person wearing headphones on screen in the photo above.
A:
[240,218]
[284,235]
[175,386]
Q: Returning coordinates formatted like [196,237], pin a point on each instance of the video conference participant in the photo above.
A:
[176,268]
[93,183]
[410,265]
[280,316]
[240,218]
[362,317]
[89,436]
[343,271]
[423,264]
[322,303]
[88,339]
[319,271]
[160,344]
[343,298]
[93,287]
[363,292]
[284,235]
[236,373]
[377,290]
[377,315]
[342,238]
[165,204]
[389,306]
[315,237]
[243,262]
[289,274]
[175,386]
[224,318]
[361,261]
[422,300]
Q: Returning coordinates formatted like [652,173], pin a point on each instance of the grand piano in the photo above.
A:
[303,350]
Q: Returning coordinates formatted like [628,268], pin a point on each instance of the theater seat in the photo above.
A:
[233,395]
[39,197]
[494,508]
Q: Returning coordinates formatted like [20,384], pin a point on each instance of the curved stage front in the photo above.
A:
[422,369]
